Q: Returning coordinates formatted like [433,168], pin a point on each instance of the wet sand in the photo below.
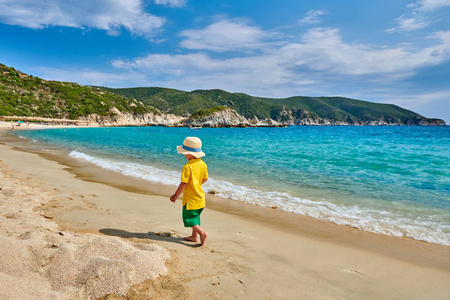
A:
[251,252]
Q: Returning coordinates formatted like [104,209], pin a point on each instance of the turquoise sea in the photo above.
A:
[389,180]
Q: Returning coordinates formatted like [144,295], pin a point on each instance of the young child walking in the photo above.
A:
[194,174]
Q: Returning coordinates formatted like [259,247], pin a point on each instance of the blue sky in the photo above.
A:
[382,51]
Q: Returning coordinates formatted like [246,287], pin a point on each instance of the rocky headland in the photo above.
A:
[230,118]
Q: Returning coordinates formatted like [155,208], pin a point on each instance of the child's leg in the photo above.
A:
[193,237]
[203,235]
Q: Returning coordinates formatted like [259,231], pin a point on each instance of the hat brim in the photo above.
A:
[181,150]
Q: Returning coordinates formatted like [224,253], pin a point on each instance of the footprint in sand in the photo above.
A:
[356,272]
[238,233]
[165,233]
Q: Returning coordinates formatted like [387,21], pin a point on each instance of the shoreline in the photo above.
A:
[330,203]
[252,252]
[97,125]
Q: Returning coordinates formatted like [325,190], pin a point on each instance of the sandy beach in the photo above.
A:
[70,230]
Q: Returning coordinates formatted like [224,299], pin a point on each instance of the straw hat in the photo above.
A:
[191,145]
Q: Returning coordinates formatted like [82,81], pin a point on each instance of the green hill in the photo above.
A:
[182,103]
[344,109]
[25,95]
[337,109]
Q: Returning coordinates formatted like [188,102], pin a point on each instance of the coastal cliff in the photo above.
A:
[230,118]
[227,118]
[133,119]
[302,117]
[224,118]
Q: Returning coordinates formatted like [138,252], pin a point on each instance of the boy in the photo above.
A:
[194,174]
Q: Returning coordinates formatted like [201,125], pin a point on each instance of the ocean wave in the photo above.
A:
[427,227]
[23,137]
[144,172]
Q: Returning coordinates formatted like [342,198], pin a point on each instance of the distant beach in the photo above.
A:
[55,206]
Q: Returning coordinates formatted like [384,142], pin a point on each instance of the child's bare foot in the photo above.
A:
[190,239]
[203,237]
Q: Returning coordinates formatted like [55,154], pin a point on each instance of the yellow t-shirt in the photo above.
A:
[194,172]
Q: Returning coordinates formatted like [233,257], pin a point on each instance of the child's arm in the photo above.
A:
[180,189]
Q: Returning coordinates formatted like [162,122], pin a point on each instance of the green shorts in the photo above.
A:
[191,217]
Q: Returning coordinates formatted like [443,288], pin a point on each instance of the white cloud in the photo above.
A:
[252,75]
[89,77]
[201,65]
[322,49]
[109,15]
[429,5]
[409,24]
[305,66]
[418,17]
[223,36]
[312,17]
[418,100]
[171,3]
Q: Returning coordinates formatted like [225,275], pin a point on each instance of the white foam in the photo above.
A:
[426,227]
[144,172]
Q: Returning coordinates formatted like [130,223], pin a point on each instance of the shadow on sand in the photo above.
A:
[157,236]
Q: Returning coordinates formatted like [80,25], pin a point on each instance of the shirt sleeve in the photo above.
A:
[186,174]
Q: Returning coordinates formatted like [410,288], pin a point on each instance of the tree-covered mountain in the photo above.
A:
[287,110]
[186,103]
[345,109]
[26,95]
